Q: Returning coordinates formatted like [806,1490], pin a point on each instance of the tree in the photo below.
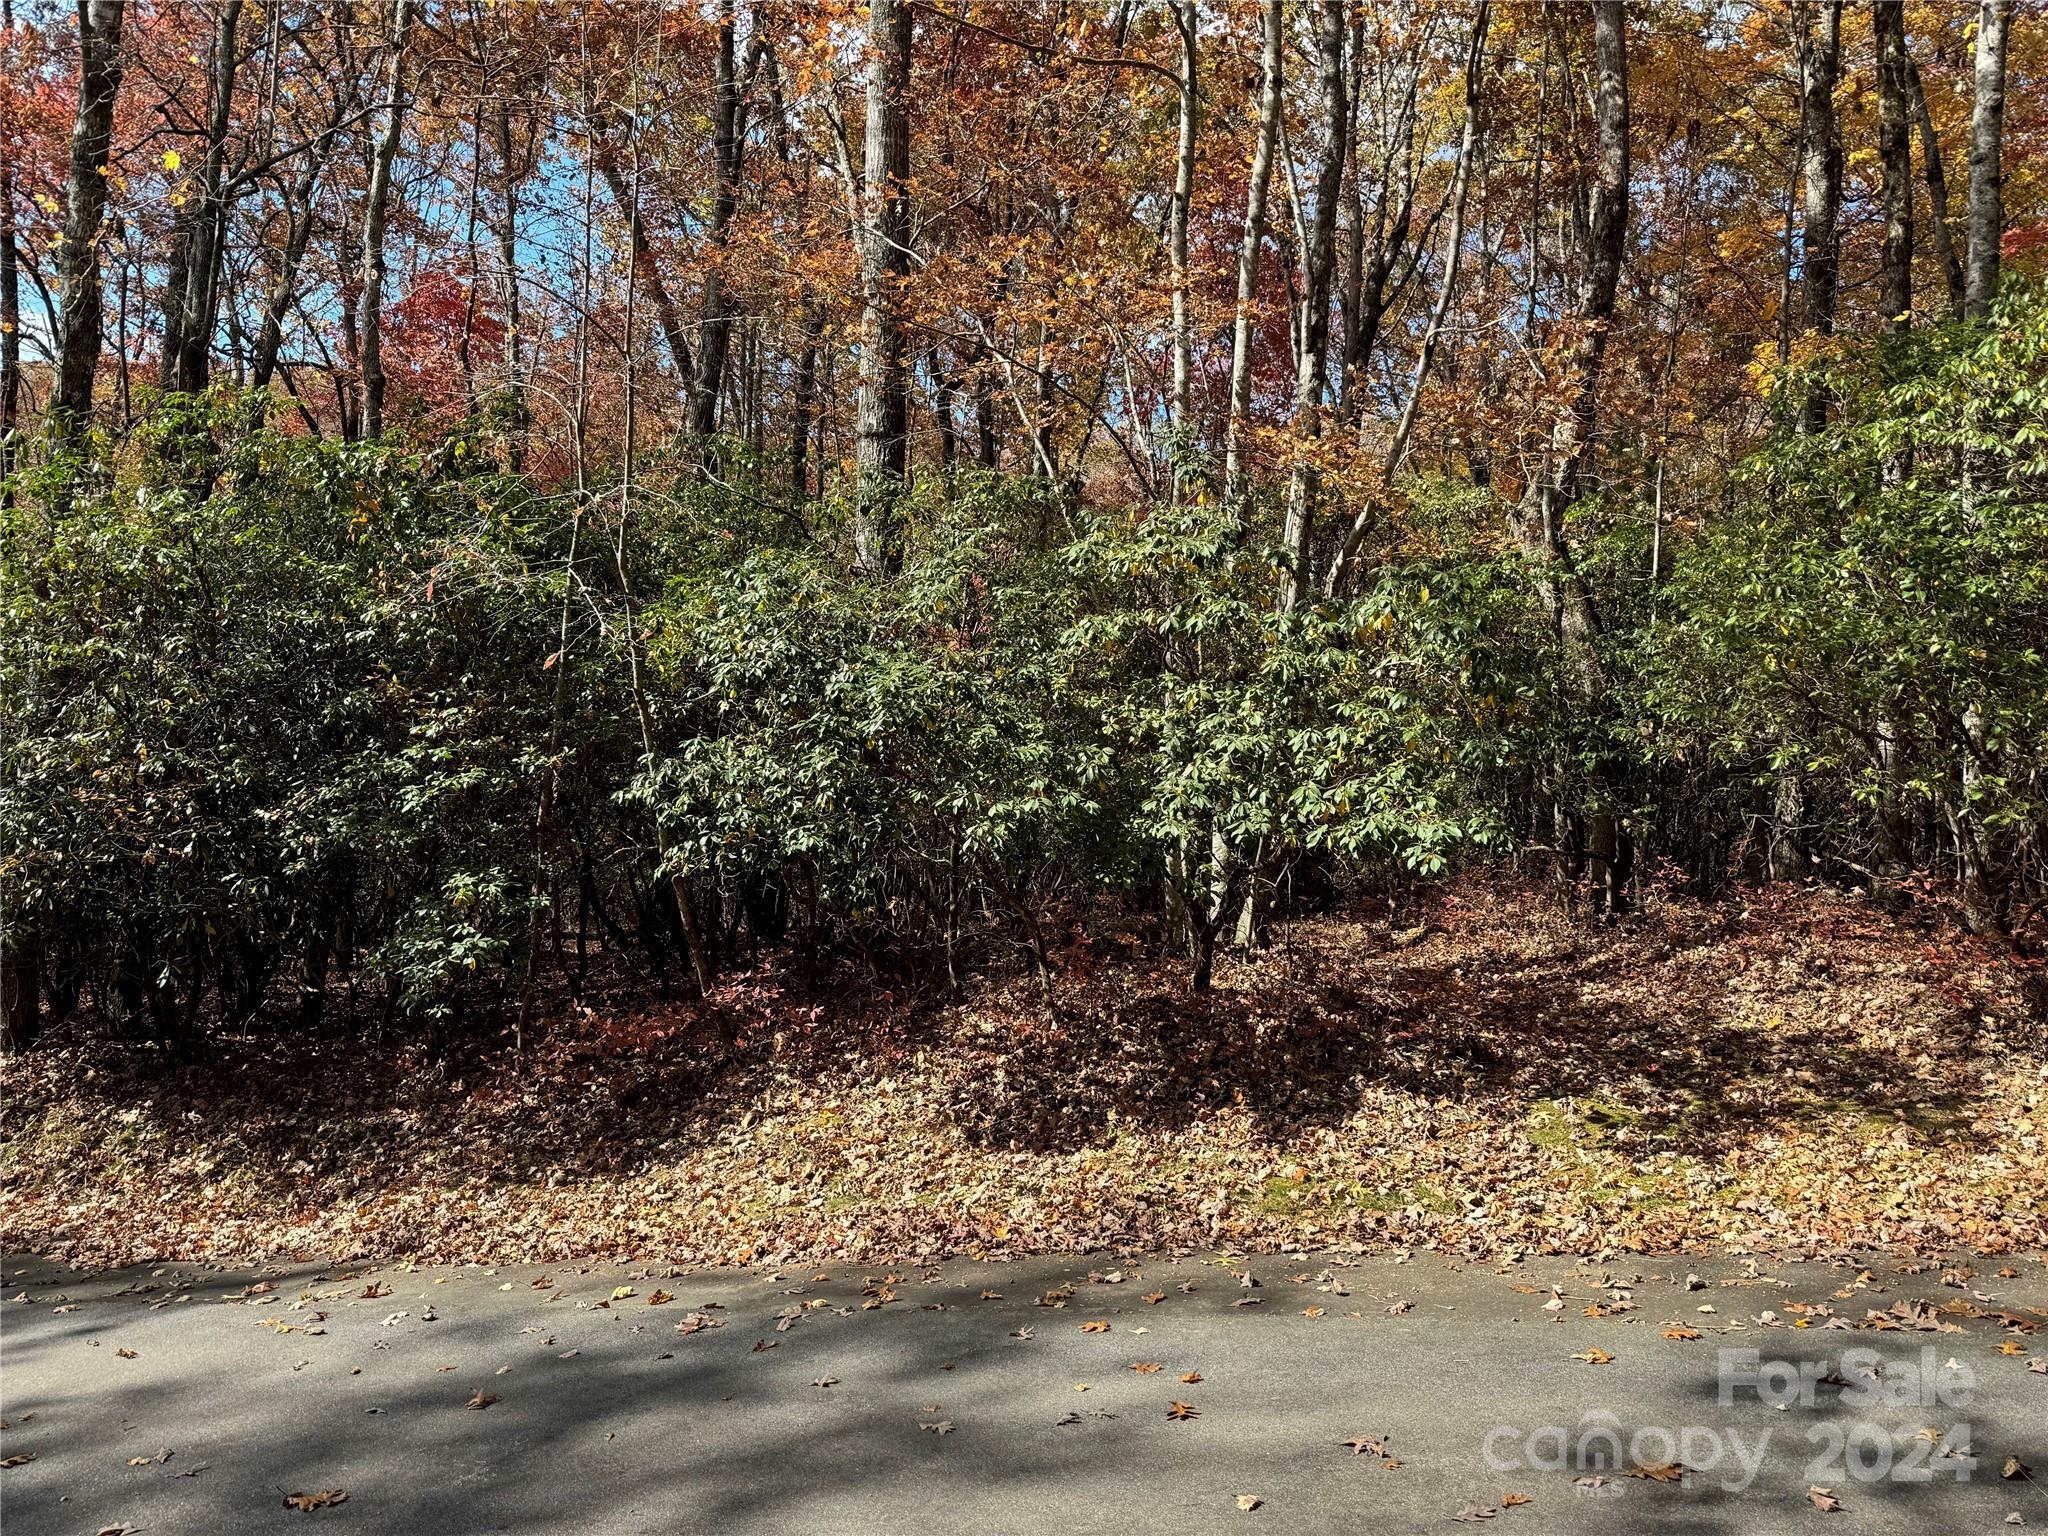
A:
[884,263]
[1895,158]
[1820,241]
[191,299]
[1556,483]
[376,213]
[1987,140]
[85,207]
[1319,264]
[1274,35]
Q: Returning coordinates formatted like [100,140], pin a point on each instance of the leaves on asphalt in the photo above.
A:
[306,1503]
[1658,1471]
[1180,1410]
[1823,1499]
[1594,1356]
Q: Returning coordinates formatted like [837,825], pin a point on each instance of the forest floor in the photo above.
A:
[1793,1072]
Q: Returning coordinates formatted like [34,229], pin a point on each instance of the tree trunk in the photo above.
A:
[1937,190]
[803,403]
[85,208]
[1185,22]
[646,268]
[298,235]
[1987,134]
[512,358]
[1318,271]
[1895,157]
[1555,486]
[377,205]
[1366,282]
[1454,240]
[21,1000]
[1820,59]
[714,330]
[10,299]
[882,410]
[1248,250]
[193,304]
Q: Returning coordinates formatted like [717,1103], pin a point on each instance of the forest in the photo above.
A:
[512,498]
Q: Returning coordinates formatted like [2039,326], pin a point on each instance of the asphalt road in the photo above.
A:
[179,1399]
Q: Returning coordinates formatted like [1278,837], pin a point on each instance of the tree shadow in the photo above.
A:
[1631,1037]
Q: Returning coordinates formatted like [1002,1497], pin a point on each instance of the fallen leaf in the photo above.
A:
[660,1299]
[1145,1367]
[939,1426]
[1823,1499]
[21,1460]
[2012,1347]
[2016,1469]
[306,1503]
[1513,1500]
[126,1353]
[1594,1357]
[1249,1502]
[1473,1514]
[1680,1331]
[1181,1410]
[1365,1445]
[623,1292]
[1191,1377]
[1153,1298]
[1311,1311]
[482,1399]
[1100,1326]
[1658,1471]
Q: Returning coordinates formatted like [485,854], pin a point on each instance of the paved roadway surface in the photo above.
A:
[248,1385]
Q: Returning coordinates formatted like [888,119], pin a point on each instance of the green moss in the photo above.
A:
[1578,1121]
